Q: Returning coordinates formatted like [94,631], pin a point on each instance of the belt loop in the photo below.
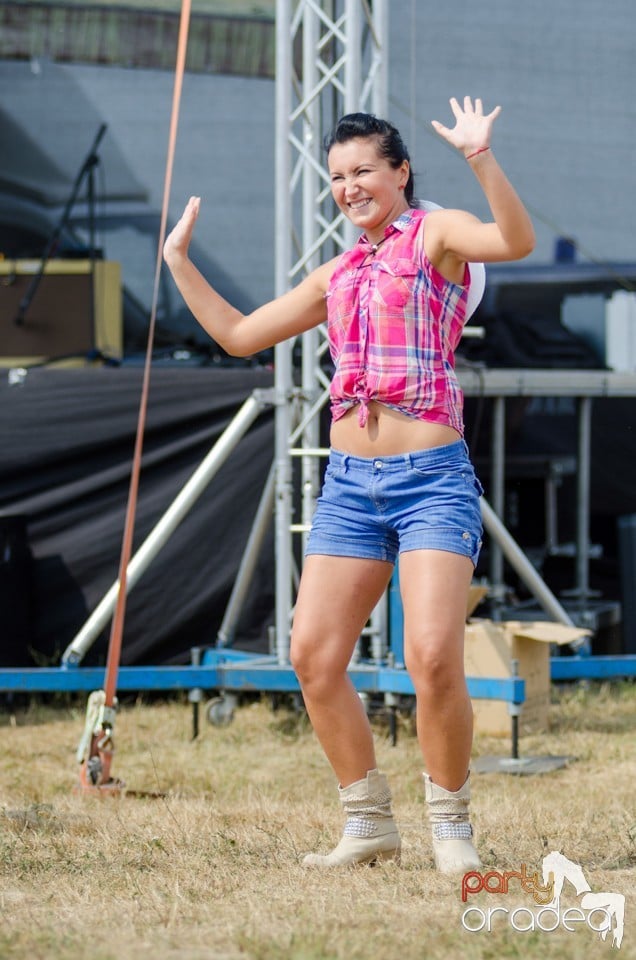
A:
[345,462]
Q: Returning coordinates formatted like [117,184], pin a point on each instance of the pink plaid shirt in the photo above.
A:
[394,323]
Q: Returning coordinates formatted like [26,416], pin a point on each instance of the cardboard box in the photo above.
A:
[489,650]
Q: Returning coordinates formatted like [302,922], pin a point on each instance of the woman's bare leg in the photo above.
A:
[434,587]
[335,600]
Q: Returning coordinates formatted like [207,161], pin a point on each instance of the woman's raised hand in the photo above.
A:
[473,129]
[178,240]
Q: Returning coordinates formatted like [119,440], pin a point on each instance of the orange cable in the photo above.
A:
[117,628]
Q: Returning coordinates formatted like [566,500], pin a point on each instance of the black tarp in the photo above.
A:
[67,440]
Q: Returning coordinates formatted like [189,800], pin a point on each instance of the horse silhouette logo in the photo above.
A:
[557,869]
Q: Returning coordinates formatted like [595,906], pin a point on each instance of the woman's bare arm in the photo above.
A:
[239,334]
[458,235]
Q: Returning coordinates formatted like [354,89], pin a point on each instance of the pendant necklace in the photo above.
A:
[374,246]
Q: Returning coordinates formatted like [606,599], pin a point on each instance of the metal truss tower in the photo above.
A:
[330,60]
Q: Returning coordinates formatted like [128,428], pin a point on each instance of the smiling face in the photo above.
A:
[368,190]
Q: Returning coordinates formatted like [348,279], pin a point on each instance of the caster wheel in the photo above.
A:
[220,711]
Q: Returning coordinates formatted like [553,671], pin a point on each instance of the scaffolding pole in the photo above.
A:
[331,60]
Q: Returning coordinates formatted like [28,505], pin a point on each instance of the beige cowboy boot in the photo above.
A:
[370,833]
[453,848]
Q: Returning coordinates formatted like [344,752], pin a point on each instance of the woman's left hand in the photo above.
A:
[473,128]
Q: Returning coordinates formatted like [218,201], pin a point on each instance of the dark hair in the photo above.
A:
[390,143]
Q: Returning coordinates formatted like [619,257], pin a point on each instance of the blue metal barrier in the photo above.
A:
[592,668]
[237,672]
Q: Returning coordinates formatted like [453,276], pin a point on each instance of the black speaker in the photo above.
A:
[627,563]
[75,309]
[16,584]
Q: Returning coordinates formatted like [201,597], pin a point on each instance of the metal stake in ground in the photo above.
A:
[95,750]
[97,744]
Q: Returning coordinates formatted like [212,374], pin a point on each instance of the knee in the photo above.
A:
[315,670]
[305,658]
[436,666]
[300,658]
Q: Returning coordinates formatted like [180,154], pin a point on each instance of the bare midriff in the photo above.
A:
[387,433]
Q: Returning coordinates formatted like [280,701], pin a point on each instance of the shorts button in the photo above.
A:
[465,536]
[378,464]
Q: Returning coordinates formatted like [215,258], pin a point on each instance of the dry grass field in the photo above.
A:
[211,869]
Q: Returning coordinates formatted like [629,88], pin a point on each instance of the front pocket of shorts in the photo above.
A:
[450,470]
[333,471]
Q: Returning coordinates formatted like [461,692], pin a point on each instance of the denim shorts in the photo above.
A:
[376,508]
